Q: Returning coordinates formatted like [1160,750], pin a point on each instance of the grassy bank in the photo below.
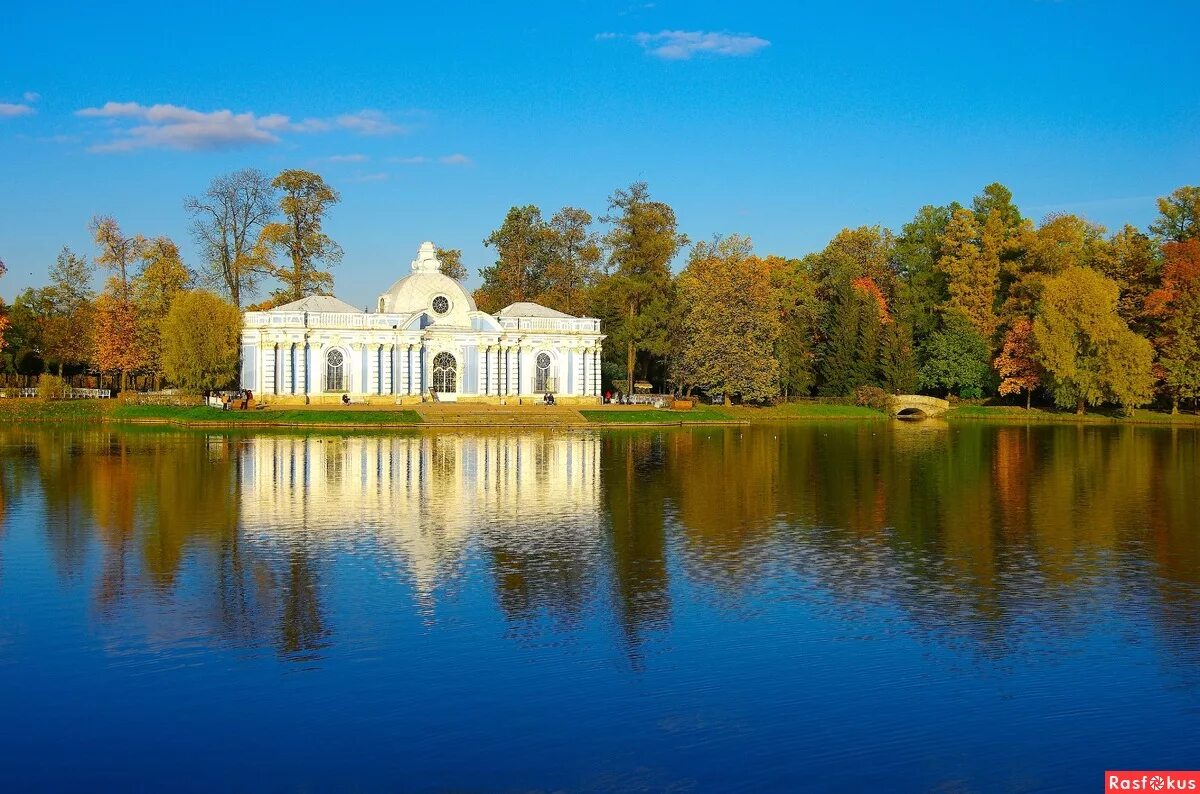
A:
[730,413]
[656,416]
[20,411]
[1013,414]
[203,415]
[16,411]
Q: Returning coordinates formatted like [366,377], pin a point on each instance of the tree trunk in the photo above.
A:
[1174,404]
[1079,407]
[1028,398]
[630,360]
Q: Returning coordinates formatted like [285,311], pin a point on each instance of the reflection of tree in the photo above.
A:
[971,530]
[635,497]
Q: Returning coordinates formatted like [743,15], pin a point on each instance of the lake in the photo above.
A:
[835,606]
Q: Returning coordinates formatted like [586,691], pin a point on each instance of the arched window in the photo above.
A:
[542,382]
[335,371]
[445,373]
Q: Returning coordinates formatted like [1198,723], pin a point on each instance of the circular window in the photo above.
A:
[441,304]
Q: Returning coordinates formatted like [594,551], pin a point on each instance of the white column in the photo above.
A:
[285,368]
[302,380]
[380,369]
[408,369]
[495,382]
[480,369]
[510,363]
[580,375]
[391,369]
[597,371]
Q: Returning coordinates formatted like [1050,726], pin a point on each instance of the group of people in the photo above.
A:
[240,399]
[617,399]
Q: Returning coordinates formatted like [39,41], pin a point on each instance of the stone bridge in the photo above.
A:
[915,406]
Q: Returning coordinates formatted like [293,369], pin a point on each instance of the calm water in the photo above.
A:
[807,607]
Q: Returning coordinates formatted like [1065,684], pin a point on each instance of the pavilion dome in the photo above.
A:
[427,289]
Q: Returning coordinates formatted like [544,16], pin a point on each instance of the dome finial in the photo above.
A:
[427,260]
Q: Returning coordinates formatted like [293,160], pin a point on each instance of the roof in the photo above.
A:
[527,309]
[318,303]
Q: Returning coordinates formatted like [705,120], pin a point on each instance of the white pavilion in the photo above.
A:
[426,340]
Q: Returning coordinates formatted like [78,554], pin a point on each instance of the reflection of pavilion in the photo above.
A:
[423,496]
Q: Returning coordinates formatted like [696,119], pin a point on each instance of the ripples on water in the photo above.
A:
[827,606]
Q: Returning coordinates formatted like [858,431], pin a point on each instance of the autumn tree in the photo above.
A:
[162,277]
[1131,261]
[1062,241]
[226,223]
[304,201]
[4,321]
[1176,307]
[117,337]
[572,253]
[118,252]
[643,240]
[201,362]
[799,311]
[995,203]
[1178,215]
[66,325]
[970,262]
[451,263]
[856,282]
[519,273]
[1088,353]
[955,358]
[1017,365]
[730,321]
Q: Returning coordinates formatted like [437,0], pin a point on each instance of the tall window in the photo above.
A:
[335,371]
[541,375]
[445,373]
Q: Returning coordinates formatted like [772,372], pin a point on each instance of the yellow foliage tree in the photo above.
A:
[200,341]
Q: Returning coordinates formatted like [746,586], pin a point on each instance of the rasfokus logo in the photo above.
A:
[1152,781]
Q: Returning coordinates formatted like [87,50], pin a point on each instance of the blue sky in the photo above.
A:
[784,121]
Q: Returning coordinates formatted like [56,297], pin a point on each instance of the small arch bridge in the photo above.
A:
[916,406]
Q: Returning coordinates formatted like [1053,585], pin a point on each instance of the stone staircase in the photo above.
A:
[477,415]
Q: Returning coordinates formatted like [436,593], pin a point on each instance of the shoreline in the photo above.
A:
[14,411]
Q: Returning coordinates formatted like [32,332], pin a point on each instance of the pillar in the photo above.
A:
[392,370]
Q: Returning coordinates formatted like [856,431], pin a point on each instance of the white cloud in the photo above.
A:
[417,160]
[31,96]
[379,176]
[455,159]
[9,110]
[174,127]
[369,122]
[682,45]
[347,158]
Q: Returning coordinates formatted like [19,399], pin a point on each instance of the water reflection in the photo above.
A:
[986,535]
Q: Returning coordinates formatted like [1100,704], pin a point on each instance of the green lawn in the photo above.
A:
[14,410]
[269,416]
[656,416]
[806,410]
[1010,413]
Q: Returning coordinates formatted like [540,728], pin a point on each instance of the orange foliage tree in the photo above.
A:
[1017,363]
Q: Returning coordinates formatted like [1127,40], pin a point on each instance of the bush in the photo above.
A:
[872,397]
[52,387]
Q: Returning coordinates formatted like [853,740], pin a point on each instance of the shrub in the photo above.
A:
[52,387]
[872,397]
